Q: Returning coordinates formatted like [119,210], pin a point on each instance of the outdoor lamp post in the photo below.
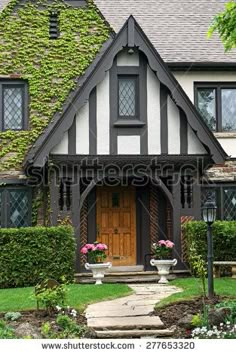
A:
[209,216]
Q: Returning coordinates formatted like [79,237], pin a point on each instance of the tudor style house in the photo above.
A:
[147,133]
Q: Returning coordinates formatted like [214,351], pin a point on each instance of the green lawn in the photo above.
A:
[192,288]
[78,296]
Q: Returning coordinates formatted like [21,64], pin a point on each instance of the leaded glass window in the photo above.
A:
[228,98]
[229,203]
[225,199]
[127,96]
[19,209]
[15,207]
[13,106]
[216,103]
[208,193]
[207,106]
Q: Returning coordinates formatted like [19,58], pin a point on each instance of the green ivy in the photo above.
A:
[50,67]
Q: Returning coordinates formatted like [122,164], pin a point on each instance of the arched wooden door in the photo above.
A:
[116,223]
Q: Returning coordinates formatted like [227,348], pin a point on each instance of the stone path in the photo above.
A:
[129,316]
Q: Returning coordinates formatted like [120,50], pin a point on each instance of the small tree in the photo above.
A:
[198,265]
[225,24]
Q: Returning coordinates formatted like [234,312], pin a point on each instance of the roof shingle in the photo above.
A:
[177,28]
[3,3]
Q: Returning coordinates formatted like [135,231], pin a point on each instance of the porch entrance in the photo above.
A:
[116,223]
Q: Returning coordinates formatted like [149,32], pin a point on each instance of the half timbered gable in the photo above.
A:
[127,103]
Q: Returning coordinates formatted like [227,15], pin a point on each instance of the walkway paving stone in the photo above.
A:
[130,316]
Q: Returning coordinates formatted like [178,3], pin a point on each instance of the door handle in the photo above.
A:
[115,231]
[98,229]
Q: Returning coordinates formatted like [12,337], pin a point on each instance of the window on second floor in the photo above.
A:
[127,92]
[217,105]
[13,107]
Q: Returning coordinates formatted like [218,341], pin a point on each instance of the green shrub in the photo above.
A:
[29,255]
[66,327]
[6,332]
[51,297]
[12,316]
[224,238]
[198,265]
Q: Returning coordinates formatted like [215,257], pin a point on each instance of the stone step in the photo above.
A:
[128,276]
[124,323]
[135,333]
[117,312]
[124,279]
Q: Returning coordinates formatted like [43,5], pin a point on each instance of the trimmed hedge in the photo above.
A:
[224,238]
[28,255]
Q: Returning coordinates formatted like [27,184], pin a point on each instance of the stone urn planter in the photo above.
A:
[163,267]
[98,270]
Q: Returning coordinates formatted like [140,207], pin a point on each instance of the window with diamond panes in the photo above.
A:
[127,96]
[217,105]
[207,106]
[19,208]
[229,198]
[15,207]
[13,108]
[228,98]
[225,199]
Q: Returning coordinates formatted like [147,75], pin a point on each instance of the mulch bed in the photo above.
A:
[37,318]
[171,314]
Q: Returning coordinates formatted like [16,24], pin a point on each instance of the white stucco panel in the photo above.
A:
[62,147]
[194,144]
[103,117]
[153,113]
[125,59]
[229,145]
[128,145]
[173,127]
[82,131]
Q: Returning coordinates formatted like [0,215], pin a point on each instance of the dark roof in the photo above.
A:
[177,28]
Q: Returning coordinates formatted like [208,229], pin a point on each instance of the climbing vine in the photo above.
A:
[50,67]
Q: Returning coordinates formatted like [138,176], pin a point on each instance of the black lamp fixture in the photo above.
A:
[209,211]
[209,216]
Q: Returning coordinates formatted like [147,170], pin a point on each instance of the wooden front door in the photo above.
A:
[116,223]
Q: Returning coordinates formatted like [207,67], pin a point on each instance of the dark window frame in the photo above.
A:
[128,71]
[217,86]
[219,188]
[25,102]
[5,204]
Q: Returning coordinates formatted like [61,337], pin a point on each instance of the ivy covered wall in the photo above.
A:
[51,67]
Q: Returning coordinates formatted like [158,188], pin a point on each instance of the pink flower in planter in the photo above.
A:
[169,244]
[101,247]
[162,243]
[90,246]
[84,250]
